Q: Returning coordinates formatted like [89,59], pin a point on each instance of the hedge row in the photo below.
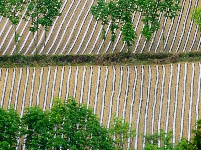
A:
[121,58]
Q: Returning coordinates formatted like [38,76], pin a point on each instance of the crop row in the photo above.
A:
[76,32]
[149,97]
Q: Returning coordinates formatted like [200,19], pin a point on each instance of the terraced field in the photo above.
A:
[150,97]
[76,32]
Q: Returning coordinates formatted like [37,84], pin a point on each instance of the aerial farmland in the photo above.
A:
[148,96]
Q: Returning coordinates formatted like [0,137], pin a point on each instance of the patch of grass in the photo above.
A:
[121,58]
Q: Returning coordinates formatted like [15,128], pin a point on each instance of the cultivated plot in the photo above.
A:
[76,32]
[149,97]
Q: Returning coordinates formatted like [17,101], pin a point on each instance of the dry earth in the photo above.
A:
[150,97]
[76,32]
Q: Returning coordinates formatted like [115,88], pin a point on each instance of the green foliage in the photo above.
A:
[36,127]
[68,125]
[17,37]
[118,58]
[196,16]
[121,131]
[12,9]
[185,145]
[42,12]
[9,128]
[151,9]
[80,127]
[197,134]
[158,141]
[120,13]
[152,142]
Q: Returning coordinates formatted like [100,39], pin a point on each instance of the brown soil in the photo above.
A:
[181,33]
[21,90]
[142,120]
[172,99]
[57,82]
[107,95]
[64,80]
[116,73]
[136,108]
[86,84]
[15,87]
[36,86]
[123,90]
[24,86]
[194,98]
[123,99]
[28,90]
[128,98]
[179,103]
[165,96]
[158,100]
[71,82]
[50,86]
[93,86]
[6,93]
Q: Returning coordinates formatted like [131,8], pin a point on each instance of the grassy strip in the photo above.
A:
[122,58]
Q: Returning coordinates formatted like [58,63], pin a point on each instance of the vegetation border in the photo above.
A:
[120,58]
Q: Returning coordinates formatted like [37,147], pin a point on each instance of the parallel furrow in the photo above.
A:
[150,98]
[77,32]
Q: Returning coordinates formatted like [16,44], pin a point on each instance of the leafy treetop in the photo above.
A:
[120,15]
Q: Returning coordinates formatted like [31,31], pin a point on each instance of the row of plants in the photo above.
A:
[37,12]
[118,15]
[120,12]
[69,125]
[121,58]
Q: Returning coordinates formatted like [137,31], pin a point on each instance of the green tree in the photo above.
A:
[120,13]
[36,127]
[152,142]
[197,135]
[67,125]
[78,126]
[9,129]
[196,16]
[121,131]
[42,12]
[186,145]
[12,9]
[159,141]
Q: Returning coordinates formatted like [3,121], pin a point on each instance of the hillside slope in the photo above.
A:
[76,32]
[150,97]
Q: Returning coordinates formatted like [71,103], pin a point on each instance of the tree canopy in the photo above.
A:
[119,14]
[9,129]
[70,125]
[196,16]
